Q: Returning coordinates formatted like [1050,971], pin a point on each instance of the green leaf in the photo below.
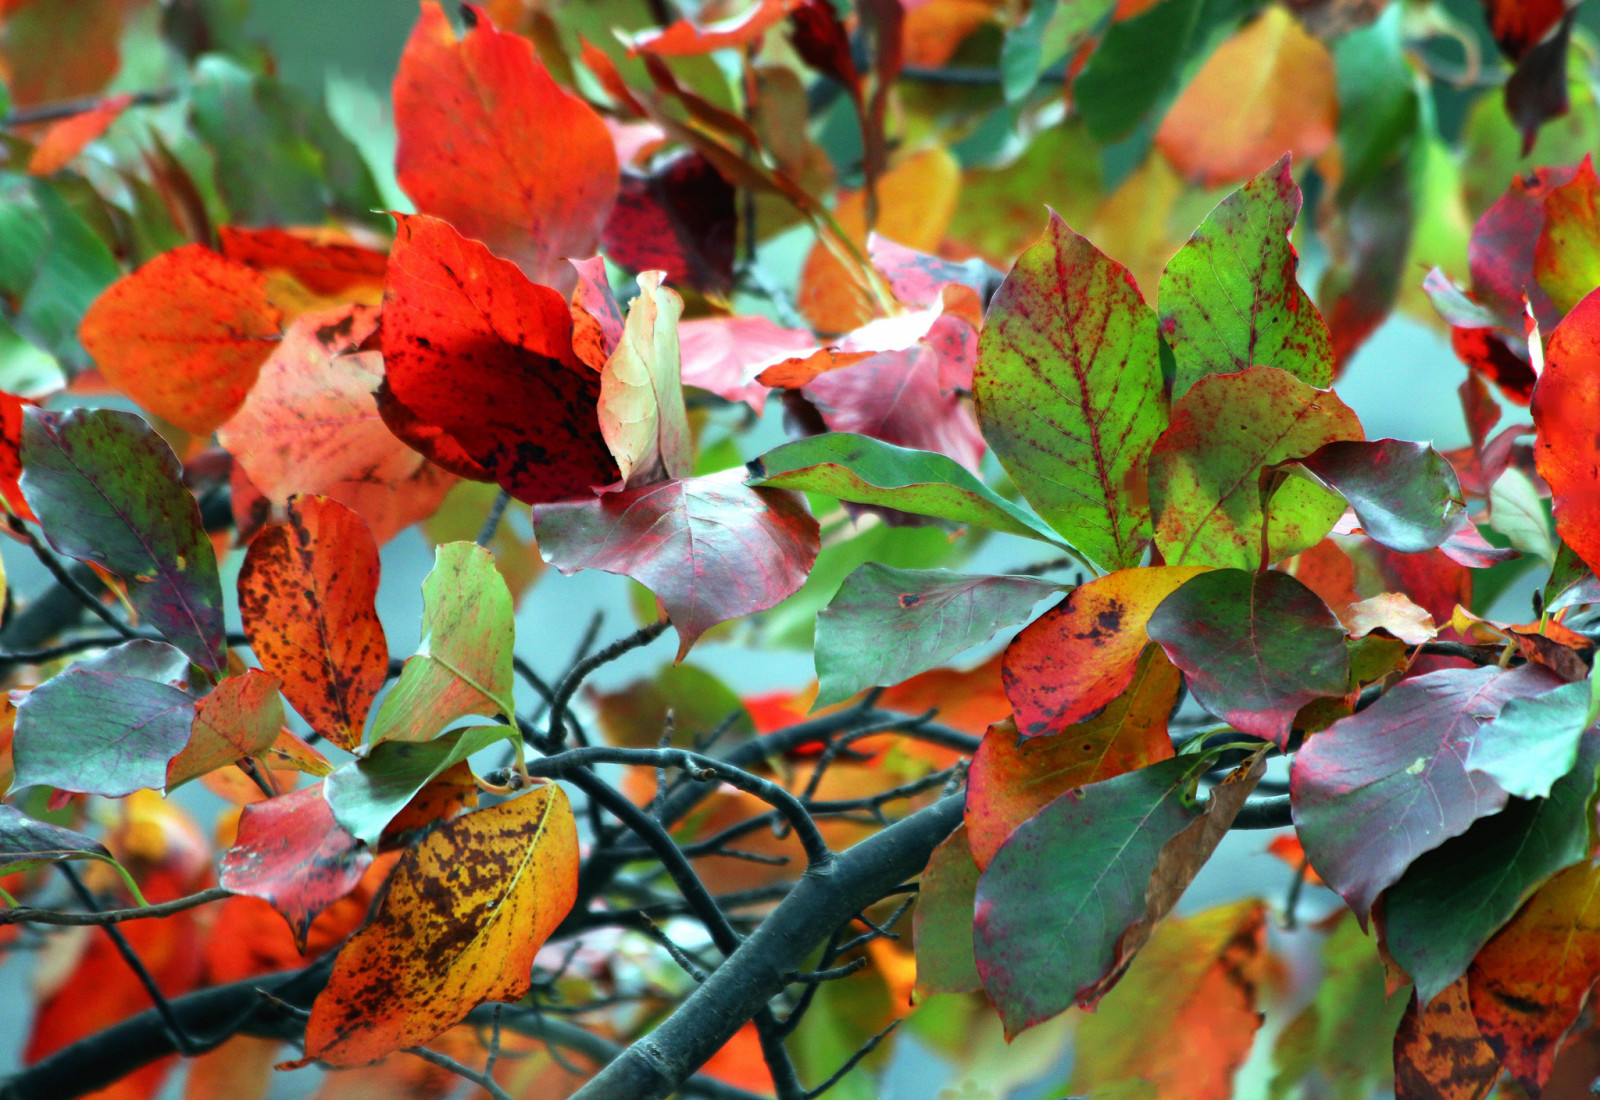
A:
[942,924]
[1230,299]
[108,490]
[1256,647]
[108,725]
[1204,471]
[886,625]
[52,267]
[366,794]
[463,665]
[1378,105]
[1068,392]
[1516,511]
[1534,741]
[863,470]
[1406,495]
[1022,52]
[1452,899]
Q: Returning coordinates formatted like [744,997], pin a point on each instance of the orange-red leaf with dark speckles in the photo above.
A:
[466,911]
[322,263]
[465,109]
[292,854]
[242,718]
[1566,408]
[308,597]
[473,348]
[184,335]
[1081,654]
[1439,1053]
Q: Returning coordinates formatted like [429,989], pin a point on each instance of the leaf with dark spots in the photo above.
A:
[1406,495]
[711,548]
[184,335]
[109,724]
[886,625]
[1255,647]
[308,600]
[1376,790]
[108,490]
[1439,1053]
[474,349]
[1566,407]
[367,793]
[464,110]
[1081,654]
[1230,299]
[862,470]
[1011,779]
[1068,393]
[1205,469]
[25,842]
[242,717]
[466,911]
[679,218]
[292,854]
[428,440]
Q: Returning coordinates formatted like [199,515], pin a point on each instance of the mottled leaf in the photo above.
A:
[1566,407]
[293,855]
[1081,654]
[184,335]
[1205,469]
[886,625]
[899,397]
[710,548]
[465,912]
[463,664]
[464,109]
[308,599]
[1255,647]
[108,490]
[242,717]
[1439,1054]
[473,348]
[327,263]
[641,409]
[1230,299]
[109,724]
[942,923]
[1011,779]
[861,470]
[1374,791]
[367,793]
[1566,260]
[1406,496]
[1452,899]
[1067,390]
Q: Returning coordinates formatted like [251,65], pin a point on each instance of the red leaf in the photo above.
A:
[683,38]
[473,348]
[725,354]
[1520,25]
[321,262]
[1566,408]
[292,854]
[465,110]
[897,397]
[596,317]
[710,548]
[66,139]
[184,335]
[11,455]
[679,219]
[1504,244]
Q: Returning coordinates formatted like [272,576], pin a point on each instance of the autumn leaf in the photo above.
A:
[510,874]
[1204,470]
[67,138]
[184,335]
[1011,779]
[108,490]
[312,425]
[1533,742]
[1566,406]
[1566,259]
[25,842]
[723,355]
[308,600]
[1081,654]
[684,38]
[368,792]
[710,548]
[291,853]
[1067,391]
[463,109]
[886,625]
[942,922]
[242,717]
[1439,1053]
[898,397]
[323,262]
[641,409]
[1405,495]
[463,664]
[679,218]
[475,349]
[1376,790]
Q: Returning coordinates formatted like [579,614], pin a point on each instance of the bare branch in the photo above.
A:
[25,915]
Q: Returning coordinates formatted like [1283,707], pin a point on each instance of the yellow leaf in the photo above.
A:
[466,911]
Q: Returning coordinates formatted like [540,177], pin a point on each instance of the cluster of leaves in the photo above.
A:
[314,377]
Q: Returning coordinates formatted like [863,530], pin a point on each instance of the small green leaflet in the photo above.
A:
[366,794]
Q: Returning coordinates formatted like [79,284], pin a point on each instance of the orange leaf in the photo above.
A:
[1012,779]
[464,110]
[508,875]
[184,335]
[326,263]
[1268,89]
[1081,654]
[684,38]
[308,598]
[1439,1053]
[241,718]
[740,1063]
[66,139]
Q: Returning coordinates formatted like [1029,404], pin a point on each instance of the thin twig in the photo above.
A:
[851,1062]
[466,1073]
[55,112]
[1292,901]
[491,523]
[554,730]
[71,584]
[533,679]
[25,915]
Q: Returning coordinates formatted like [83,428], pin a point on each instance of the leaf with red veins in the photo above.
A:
[710,548]
[897,397]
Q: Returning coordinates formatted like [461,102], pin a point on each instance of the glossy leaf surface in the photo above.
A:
[367,793]
[1406,495]
[1566,406]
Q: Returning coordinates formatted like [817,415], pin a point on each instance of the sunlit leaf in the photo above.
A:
[243,717]
[641,410]
[1566,406]
[1567,258]
[1516,512]
[1533,742]
[1405,495]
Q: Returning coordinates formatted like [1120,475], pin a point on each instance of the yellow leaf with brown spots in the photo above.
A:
[466,911]
[1439,1054]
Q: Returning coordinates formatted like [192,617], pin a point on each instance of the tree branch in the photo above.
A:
[24,915]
